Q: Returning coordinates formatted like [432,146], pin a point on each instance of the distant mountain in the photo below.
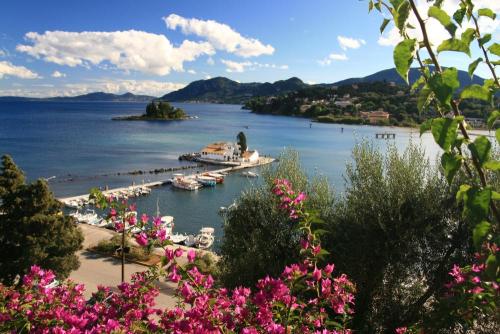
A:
[91,97]
[391,75]
[224,90]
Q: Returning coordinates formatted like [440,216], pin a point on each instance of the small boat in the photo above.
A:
[206,180]
[219,178]
[178,238]
[205,238]
[190,240]
[250,174]
[182,182]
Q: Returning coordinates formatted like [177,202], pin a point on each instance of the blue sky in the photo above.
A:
[52,48]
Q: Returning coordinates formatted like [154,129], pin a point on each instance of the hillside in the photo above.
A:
[91,97]
[391,75]
[224,90]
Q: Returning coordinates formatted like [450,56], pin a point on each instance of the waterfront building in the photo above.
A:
[375,116]
[222,151]
[250,156]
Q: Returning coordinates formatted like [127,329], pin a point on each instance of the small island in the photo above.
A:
[157,111]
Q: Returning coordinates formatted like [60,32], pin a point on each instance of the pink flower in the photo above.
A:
[161,234]
[476,280]
[316,250]
[401,330]
[476,290]
[329,269]
[178,252]
[112,212]
[316,274]
[157,221]
[304,243]
[191,255]
[141,239]
[132,220]
[300,198]
[169,253]
[144,218]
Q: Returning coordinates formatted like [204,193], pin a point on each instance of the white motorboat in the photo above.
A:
[206,180]
[219,178]
[205,238]
[182,182]
[178,238]
[190,240]
[250,174]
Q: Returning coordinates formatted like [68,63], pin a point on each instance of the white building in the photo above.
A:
[223,151]
[250,156]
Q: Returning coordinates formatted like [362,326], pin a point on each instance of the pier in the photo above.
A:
[85,197]
[385,135]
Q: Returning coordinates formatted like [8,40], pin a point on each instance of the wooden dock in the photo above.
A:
[84,197]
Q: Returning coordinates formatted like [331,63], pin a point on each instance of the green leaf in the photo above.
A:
[384,24]
[419,82]
[423,99]
[495,49]
[444,131]
[476,92]
[477,203]
[403,57]
[443,18]
[485,39]
[403,11]
[495,195]
[458,16]
[480,149]
[451,163]
[370,6]
[492,267]
[462,191]
[497,135]
[495,62]
[425,126]
[487,12]
[492,118]
[454,44]
[444,84]
[480,232]
[493,165]
[473,66]
[468,35]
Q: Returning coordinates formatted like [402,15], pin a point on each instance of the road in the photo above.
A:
[97,270]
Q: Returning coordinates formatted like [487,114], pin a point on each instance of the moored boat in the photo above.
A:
[219,178]
[206,180]
[182,182]
[205,238]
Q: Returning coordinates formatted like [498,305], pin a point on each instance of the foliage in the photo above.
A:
[258,239]
[438,88]
[32,227]
[242,142]
[163,110]
[113,246]
[306,297]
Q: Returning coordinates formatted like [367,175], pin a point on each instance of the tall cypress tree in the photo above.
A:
[33,229]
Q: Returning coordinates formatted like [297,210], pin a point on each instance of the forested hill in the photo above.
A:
[391,75]
[224,90]
[91,97]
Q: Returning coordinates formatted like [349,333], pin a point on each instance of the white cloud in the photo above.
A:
[331,57]
[191,71]
[210,61]
[436,32]
[57,74]
[234,66]
[2,53]
[130,50]
[208,77]
[142,87]
[220,35]
[350,43]
[9,69]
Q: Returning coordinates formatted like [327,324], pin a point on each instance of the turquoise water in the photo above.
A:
[78,143]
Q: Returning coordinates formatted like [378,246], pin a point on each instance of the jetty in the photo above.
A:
[149,185]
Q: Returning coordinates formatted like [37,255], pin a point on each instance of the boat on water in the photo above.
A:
[219,178]
[190,241]
[182,182]
[250,174]
[178,238]
[205,238]
[206,180]
[88,217]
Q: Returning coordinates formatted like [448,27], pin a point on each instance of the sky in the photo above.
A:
[66,48]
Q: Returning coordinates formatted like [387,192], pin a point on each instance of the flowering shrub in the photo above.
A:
[305,298]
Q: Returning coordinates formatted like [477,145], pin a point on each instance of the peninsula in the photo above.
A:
[157,111]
